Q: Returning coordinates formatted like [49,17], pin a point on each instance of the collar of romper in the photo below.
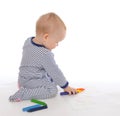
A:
[38,45]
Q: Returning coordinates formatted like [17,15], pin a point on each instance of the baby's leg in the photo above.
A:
[46,91]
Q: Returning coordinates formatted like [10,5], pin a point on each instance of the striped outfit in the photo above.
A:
[39,75]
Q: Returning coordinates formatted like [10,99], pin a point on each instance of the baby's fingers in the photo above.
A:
[74,91]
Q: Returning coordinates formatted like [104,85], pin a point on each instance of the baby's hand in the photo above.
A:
[70,90]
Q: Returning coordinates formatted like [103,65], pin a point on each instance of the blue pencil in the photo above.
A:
[30,107]
[64,93]
[37,108]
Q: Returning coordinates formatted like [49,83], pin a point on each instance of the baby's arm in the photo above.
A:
[56,74]
[53,70]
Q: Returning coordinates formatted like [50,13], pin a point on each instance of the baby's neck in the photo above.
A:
[37,41]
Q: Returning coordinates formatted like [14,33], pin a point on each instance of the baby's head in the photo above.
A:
[50,30]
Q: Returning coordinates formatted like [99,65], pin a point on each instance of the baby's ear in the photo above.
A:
[45,36]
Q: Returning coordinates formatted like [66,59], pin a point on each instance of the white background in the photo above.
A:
[91,49]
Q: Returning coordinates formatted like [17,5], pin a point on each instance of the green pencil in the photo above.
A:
[38,102]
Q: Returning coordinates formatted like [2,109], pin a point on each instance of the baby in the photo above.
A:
[39,74]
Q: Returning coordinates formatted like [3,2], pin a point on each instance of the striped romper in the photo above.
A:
[39,75]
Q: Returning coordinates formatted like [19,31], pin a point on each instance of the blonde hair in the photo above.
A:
[48,22]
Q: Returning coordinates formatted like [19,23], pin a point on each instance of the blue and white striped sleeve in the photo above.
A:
[53,70]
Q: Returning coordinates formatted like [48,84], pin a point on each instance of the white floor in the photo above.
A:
[99,99]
